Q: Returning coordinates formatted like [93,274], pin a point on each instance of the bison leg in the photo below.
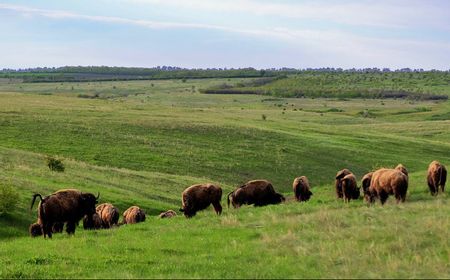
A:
[47,230]
[70,227]
[217,207]
[383,197]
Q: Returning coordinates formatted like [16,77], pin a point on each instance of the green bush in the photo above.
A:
[8,198]
[55,164]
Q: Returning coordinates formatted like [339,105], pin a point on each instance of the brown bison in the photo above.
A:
[199,197]
[133,215]
[350,188]
[402,168]
[301,188]
[437,176]
[92,221]
[338,183]
[64,206]
[167,214]
[365,182]
[109,214]
[257,192]
[387,182]
[35,229]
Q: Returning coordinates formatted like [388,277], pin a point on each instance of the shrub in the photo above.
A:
[8,198]
[55,164]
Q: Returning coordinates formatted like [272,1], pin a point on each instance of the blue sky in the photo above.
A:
[226,33]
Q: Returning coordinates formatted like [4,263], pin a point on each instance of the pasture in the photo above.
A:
[143,142]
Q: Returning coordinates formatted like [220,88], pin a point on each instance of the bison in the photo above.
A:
[35,229]
[257,192]
[133,215]
[64,206]
[365,182]
[350,188]
[167,214]
[338,184]
[109,214]
[387,182]
[437,176]
[301,188]
[92,221]
[199,197]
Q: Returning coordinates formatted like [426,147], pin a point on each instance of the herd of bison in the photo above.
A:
[70,206]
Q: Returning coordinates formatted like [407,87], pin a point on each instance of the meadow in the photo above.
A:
[143,142]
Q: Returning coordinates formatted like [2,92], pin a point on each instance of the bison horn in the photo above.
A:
[98,195]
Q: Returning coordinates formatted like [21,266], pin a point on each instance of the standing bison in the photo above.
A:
[257,192]
[437,176]
[109,214]
[350,188]
[387,182]
[64,206]
[365,182]
[301,189]
[338,183]
[133,215]
[199,197]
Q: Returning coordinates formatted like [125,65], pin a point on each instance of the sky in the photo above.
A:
[226,33]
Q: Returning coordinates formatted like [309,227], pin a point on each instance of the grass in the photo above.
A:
[145,148]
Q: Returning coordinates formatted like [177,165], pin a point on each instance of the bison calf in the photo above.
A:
[301,189]
[133,215]
[256,192]
[437,176]
[350,188]
[199,197]
[92,221]
[109,214]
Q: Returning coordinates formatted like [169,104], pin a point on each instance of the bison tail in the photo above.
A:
[228,199]
[442,177]
[34,199]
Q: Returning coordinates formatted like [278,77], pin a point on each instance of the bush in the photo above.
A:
[55,164]
[8,198]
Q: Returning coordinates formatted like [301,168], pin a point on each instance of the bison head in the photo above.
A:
[35,230]
[88,202]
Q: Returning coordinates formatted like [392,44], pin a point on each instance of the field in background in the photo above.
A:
[143,142]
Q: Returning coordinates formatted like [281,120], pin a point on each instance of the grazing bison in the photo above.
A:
[167,214]
[350,188]
[365,182]
[64,206]
[257,192]
[387,182]
[92,221]
[199,197]
[402,168]
[301,188]
[133,215]
[437,176]
[109,214]
[338,184]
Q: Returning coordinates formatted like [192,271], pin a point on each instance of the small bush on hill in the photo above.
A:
[55,164]
[8,198]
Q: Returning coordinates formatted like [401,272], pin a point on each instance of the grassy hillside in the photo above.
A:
[139,143]
[413,85]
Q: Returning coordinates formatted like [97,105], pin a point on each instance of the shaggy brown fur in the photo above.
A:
[133,215]
[338,184]
[109,214]
[35,229]
[257,192]
[402,168]
[350,188]
[387,182]
[437,176]
[64,206]
[92,221]
[301,189]
[199,197]
[167,214]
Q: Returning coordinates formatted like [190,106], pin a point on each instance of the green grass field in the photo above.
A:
[144,142]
